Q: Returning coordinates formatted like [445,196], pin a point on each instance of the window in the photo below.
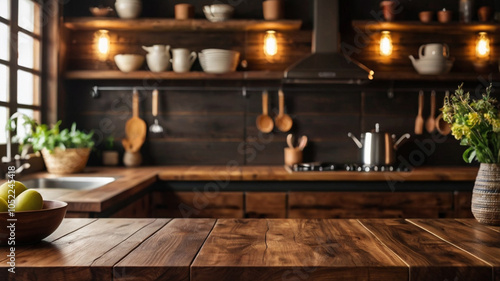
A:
[20,58]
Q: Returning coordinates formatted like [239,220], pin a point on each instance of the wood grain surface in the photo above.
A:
[469,235]
[428,257]
[261,249]
[167,254]
[274,249]
[85,254]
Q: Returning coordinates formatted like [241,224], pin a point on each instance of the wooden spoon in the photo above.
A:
[289,141]
[135,128]
[264,122]
[443,127]
[302,143]
[430,123]
[419,121]
[283,121]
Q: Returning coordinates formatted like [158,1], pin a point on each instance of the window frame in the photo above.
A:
[12,104]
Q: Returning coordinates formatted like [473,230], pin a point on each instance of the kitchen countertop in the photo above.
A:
[133,180]
[261,249]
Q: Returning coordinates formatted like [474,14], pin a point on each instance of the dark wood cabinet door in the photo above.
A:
[370,204]
[189,204]
[265,204]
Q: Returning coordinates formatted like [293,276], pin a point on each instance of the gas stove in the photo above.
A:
[326,167]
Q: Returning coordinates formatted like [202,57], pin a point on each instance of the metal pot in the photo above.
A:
[378,148]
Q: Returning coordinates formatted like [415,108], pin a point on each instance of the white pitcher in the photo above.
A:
[158,57]
[182,59]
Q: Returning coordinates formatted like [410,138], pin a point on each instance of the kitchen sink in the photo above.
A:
[76,183]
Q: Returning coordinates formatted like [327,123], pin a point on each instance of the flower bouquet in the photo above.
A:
[476,124]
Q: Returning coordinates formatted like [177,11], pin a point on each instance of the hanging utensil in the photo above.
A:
[264,122]
[135,128]
[419,121]
[155,127]
[443,127]
[430,123]
[283,121]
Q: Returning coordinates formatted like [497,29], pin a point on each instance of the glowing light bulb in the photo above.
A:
[270,43]
[385,44]
[482,45]
[103,43]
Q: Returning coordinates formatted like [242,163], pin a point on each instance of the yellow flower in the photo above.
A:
[456,131]
[493,121]
[473,119]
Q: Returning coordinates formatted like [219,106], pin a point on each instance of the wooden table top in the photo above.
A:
[261,249]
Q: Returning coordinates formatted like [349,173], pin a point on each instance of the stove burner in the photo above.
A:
[326,166]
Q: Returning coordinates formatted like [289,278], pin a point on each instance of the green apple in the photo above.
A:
[18,188]
[28,201]
[3,205]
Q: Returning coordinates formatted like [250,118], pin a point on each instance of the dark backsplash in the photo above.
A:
[204,126]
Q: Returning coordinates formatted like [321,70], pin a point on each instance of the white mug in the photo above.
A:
[182,59]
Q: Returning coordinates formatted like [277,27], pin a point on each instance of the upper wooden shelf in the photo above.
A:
[170,75]
[416,26]
[163,24]
[452,76]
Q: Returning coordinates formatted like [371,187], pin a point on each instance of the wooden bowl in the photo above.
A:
[32,226]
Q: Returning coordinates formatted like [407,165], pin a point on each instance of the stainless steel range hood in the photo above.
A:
[327,64]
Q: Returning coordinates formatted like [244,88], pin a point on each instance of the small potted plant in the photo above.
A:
[64,151]
[476,124]
[110,156]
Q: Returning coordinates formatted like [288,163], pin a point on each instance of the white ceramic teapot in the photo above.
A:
[434,51]
[158,57]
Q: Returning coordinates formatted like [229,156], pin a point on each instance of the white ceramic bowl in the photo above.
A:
[219,62]
[218,12]
[129,62]
[128,9]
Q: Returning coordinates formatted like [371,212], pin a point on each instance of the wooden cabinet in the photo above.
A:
[463,204]
[370,204]
[189,204]
[140,208]
[265,204]
[299,204]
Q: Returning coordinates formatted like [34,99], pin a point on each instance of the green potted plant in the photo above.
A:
[476,124]
[64,151]
[110,156]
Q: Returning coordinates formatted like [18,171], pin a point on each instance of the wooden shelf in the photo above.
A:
[416,26]
[442,77]
[162,24]
[170,75]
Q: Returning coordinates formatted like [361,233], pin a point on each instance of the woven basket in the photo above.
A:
[486,195]
[71,160]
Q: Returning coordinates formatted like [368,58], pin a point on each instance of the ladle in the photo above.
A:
[155,127]
[443,127]
[283,121]
[264,122]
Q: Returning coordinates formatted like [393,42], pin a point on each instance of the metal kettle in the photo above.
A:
[378,148]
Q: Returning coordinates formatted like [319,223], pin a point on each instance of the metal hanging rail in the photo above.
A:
[95,91]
